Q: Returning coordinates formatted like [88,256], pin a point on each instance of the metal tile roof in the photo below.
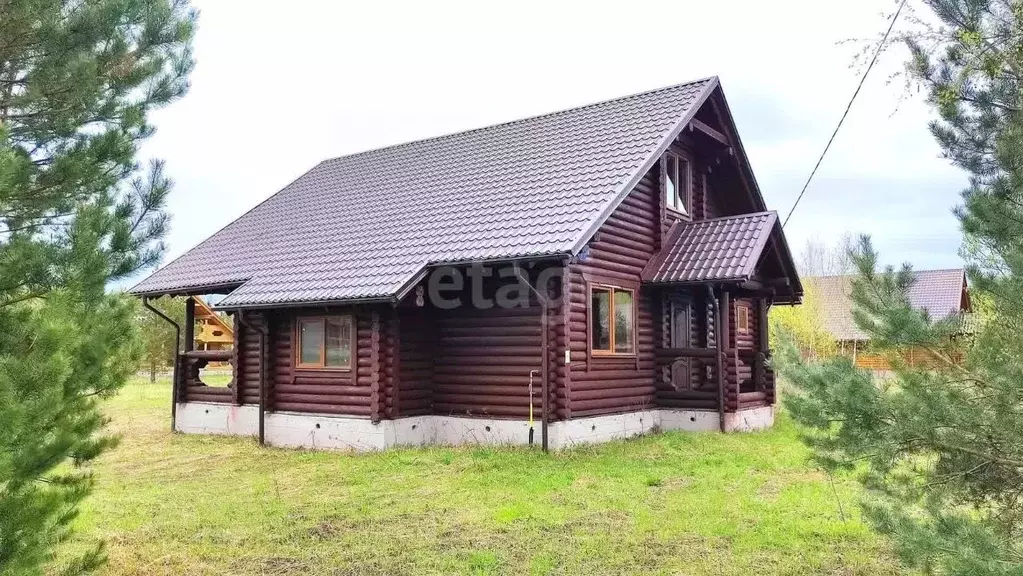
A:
[722,249]
[363,226]
[937,291]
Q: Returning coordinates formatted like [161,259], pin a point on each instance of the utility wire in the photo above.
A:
[877,53]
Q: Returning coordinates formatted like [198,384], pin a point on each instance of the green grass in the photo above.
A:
[673,503]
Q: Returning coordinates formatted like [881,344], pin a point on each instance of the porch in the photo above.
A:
[714,350]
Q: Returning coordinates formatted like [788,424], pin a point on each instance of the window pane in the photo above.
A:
[310,341]
[682,203]
[600,310]
[624,318]
[339,342]
[671,182]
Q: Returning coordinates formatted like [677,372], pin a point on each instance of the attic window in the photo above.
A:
[677,182]
[324,342]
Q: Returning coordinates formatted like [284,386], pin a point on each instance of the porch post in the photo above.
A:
[726,346]
[189,324]
[759,375]
[765,340]
[719,356]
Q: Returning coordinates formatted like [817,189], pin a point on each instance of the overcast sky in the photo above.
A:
[278,87]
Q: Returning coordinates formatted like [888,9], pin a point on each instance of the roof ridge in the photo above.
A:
[552,113]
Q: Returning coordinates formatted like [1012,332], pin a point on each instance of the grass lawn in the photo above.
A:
[667,504]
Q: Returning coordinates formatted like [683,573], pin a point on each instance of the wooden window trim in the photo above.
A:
[741,314]
[320,366]
[665,166]
[611,353]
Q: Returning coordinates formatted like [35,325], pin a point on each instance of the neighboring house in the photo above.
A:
[605,270]
[214,333]
[941,292]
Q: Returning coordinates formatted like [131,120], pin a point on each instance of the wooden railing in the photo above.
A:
[191,388]
[701,382]
[748,382]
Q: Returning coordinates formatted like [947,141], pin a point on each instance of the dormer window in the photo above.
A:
[677,183]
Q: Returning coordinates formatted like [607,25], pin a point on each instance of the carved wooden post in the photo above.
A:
[719,354]
[731,367]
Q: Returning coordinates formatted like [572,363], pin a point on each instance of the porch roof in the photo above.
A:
[724,249]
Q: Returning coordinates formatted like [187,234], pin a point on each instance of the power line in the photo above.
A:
[877,53]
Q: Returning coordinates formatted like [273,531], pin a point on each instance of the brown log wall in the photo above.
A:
[622,247]
[482,360]
[367,389]
[712,204]
[247,358]
[742,371]
[417,335]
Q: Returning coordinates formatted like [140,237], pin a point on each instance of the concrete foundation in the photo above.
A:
[295,430]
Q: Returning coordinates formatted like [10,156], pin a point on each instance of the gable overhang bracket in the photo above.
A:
[703,127]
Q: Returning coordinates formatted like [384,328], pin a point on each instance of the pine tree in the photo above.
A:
[940,448]
[77,81]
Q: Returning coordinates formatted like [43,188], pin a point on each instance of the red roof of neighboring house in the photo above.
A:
[366,226]
[940,292]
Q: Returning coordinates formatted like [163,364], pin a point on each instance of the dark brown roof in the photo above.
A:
[718,250]
[940,292]
[365,226]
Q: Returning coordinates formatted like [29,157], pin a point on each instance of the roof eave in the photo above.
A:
[305,304]
[728,280]
[198,290]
